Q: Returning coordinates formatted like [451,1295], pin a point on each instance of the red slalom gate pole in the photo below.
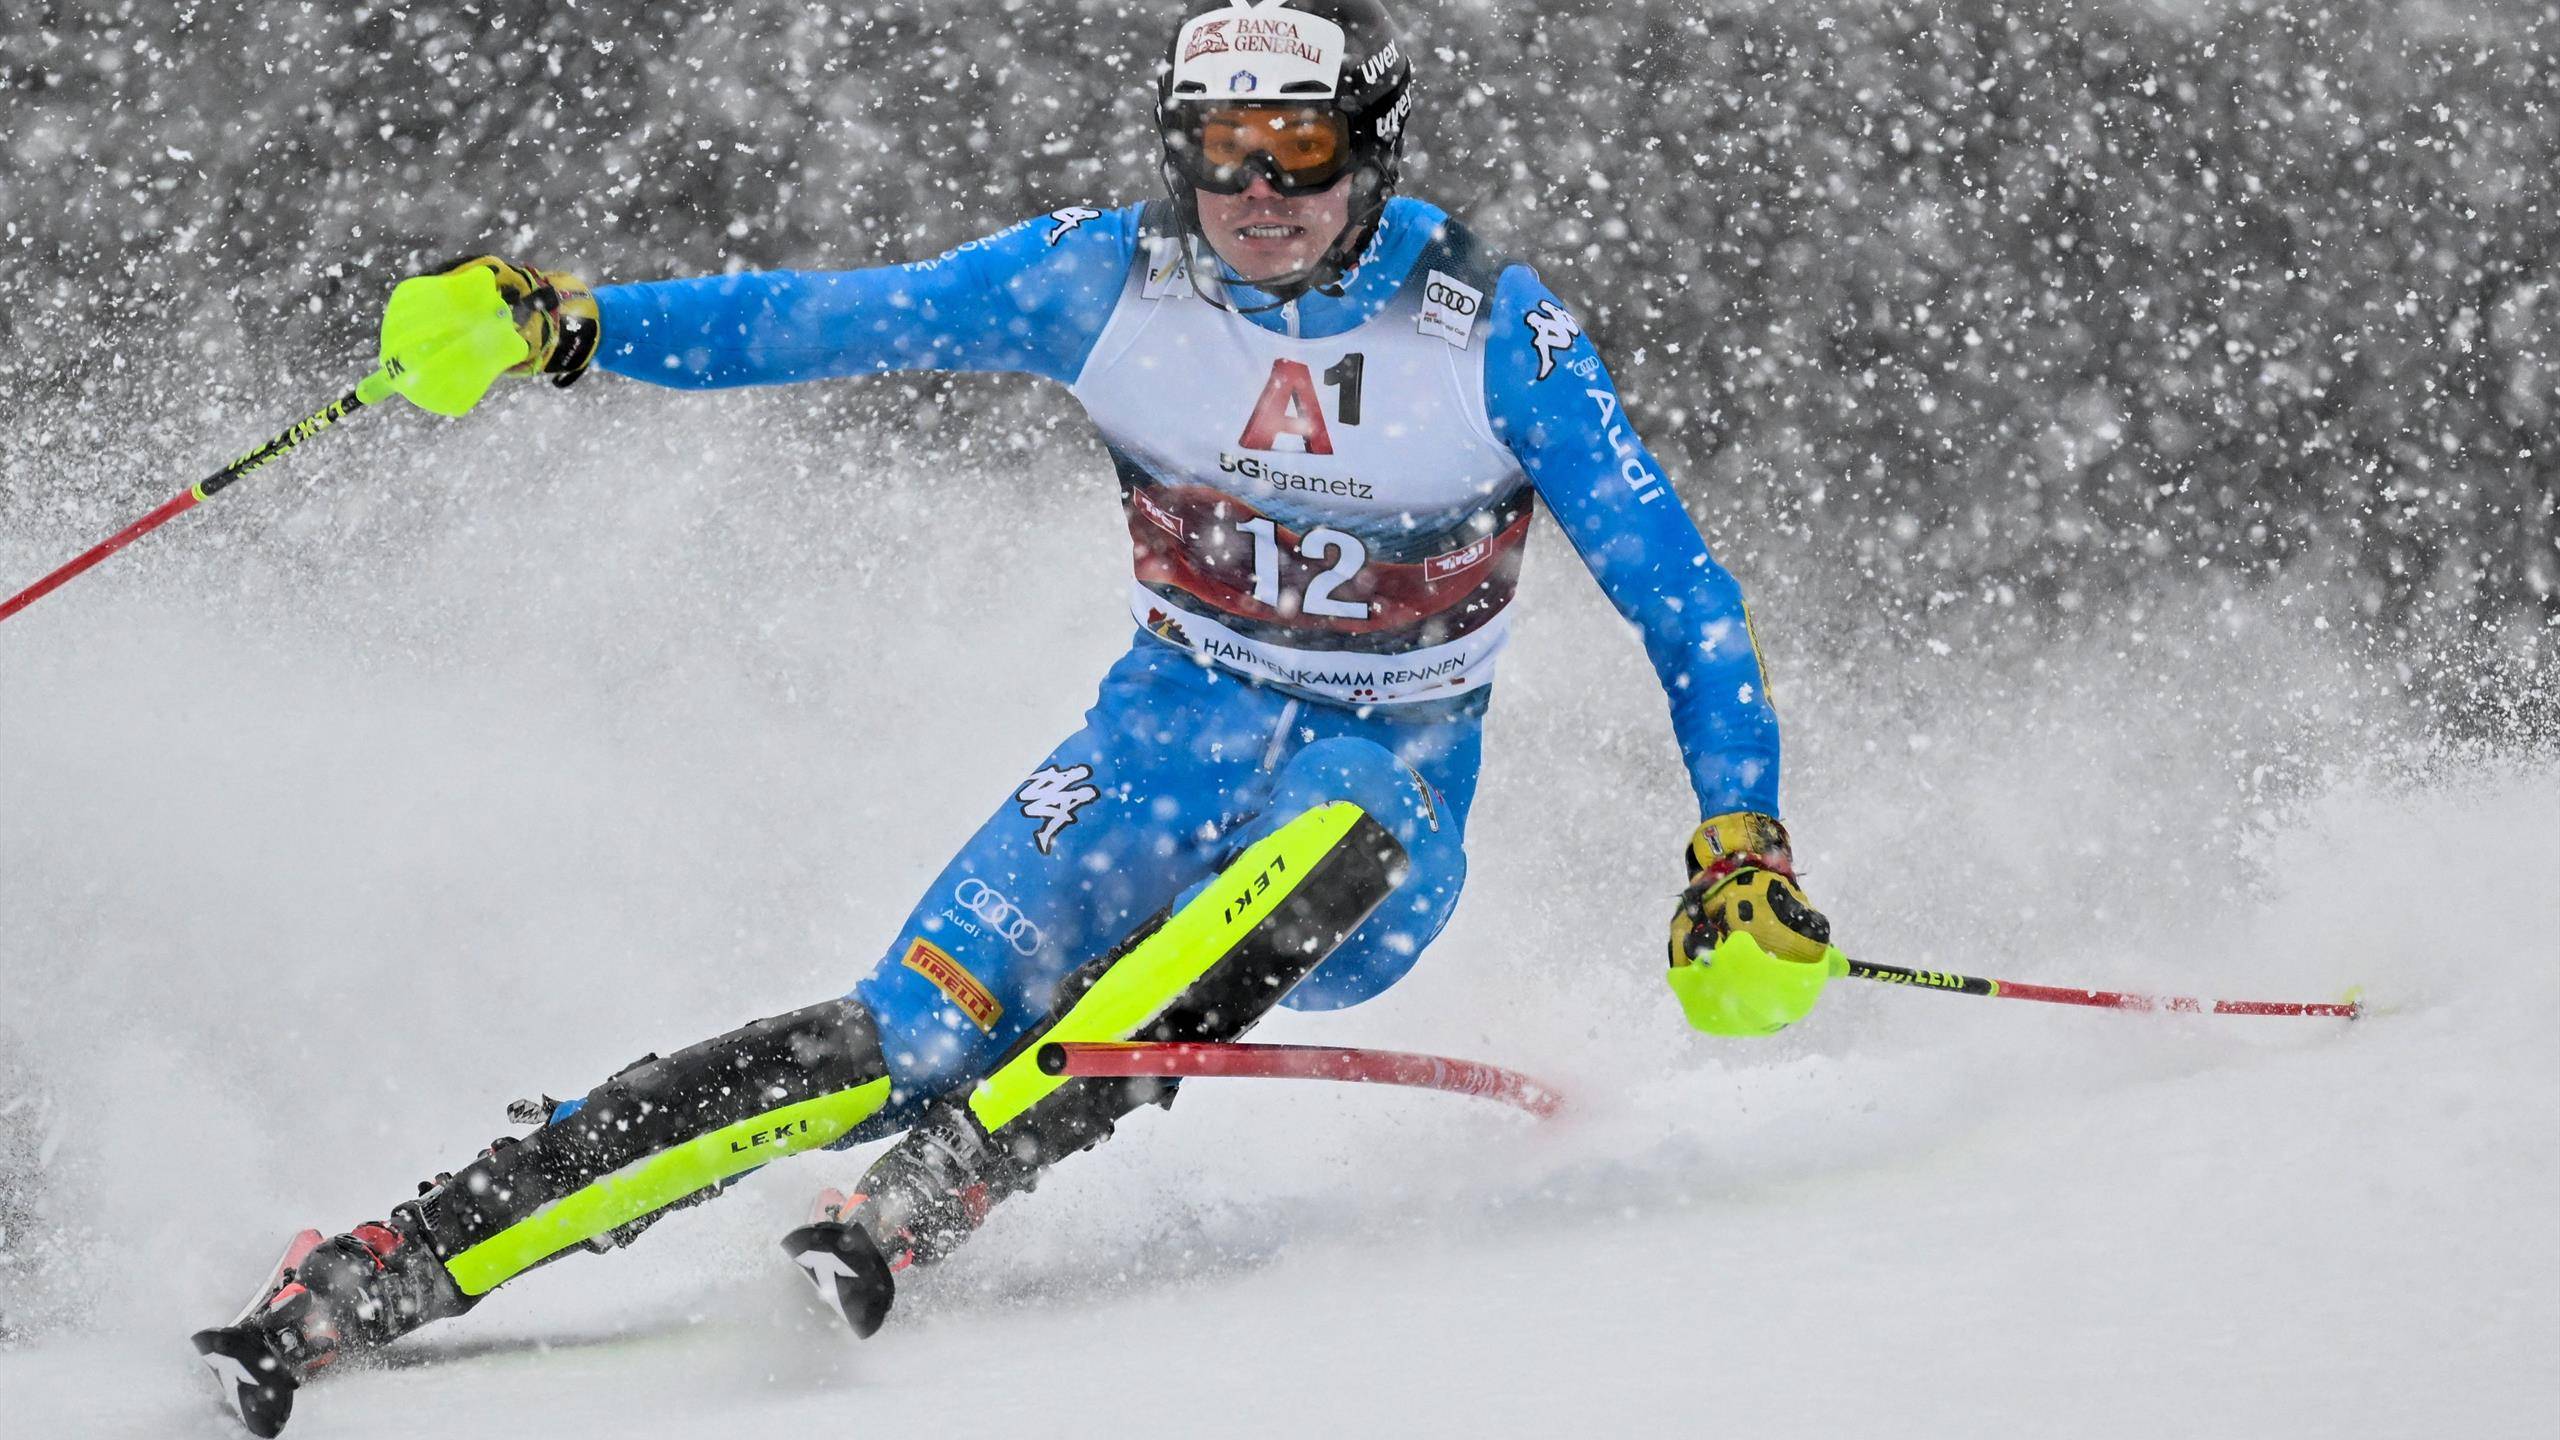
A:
[1142,1059]
[2347,1009]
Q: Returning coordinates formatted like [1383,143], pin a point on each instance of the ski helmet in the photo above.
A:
[1327,90]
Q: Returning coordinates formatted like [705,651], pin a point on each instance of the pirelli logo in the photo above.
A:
[958,985]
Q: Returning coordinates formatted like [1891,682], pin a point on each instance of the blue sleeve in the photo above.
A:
[1033,299]
[1552,401]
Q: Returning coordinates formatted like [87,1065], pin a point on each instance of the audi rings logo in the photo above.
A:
[1458,299]
[1001,915]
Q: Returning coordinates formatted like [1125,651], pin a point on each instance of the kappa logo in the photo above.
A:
[1553,332]
[1068,219]
[1053,796]
[1243,82]
[999,913]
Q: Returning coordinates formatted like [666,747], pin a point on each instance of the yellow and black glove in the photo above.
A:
[1749,954]
[554,311]
[448,336]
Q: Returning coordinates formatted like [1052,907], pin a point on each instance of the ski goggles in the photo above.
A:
[1298,148]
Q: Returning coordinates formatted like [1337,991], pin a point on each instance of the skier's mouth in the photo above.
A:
[1271,230]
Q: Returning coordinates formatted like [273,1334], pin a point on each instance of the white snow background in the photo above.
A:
[449,763]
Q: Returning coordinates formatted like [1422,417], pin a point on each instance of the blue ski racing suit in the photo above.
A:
[1327,501]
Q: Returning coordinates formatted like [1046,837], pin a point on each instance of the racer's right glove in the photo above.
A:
[447,336]
[554,311]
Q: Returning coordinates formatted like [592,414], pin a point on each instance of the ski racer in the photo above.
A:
[1332,411]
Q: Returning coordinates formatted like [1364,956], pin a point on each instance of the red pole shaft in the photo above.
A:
[373,388]
[2125,1000]
[175,506]
[1947,980]
[1304,1062]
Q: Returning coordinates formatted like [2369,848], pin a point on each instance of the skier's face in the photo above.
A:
[1263,234]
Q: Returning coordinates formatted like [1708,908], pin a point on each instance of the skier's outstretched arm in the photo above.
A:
[1032,298]
[1552,401]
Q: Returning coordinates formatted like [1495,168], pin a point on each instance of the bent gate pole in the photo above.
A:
[1141,1059]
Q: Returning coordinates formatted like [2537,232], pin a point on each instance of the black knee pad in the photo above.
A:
[1258,965]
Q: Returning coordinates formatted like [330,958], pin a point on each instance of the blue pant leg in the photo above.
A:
[1417,779]
[1104,833]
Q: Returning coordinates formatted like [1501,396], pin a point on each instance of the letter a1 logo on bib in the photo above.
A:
[1288,407]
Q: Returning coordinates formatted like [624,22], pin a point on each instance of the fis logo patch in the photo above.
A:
[1052,797]
[1168,271]
[955,982]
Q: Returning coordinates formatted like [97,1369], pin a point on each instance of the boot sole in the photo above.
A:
[252,1377]
[852,1278]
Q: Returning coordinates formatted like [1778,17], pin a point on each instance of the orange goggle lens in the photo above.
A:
[1306,145]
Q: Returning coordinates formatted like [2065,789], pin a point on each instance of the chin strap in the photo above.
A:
[1198,252]
[1330,272]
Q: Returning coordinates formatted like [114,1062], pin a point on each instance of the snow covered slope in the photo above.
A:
[331,828]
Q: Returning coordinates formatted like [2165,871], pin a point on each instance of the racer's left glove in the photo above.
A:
[1749,954]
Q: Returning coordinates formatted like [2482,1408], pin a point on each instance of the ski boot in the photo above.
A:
[1206,969]
[327,1298]
[934,1188]
[661,1133]
[915,1204]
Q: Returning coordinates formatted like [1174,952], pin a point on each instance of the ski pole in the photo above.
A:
[2347,1009]
[368,391]
[1302,1062]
